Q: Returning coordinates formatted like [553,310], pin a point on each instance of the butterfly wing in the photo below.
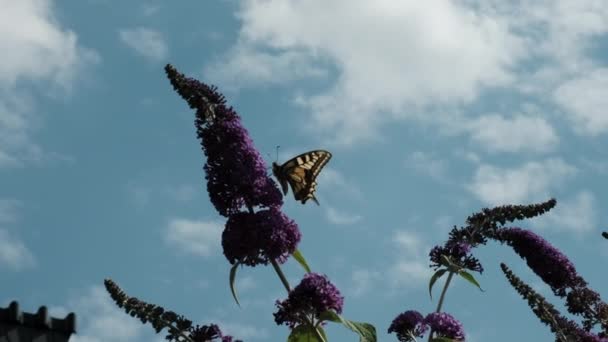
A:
[301,173]
[277,170]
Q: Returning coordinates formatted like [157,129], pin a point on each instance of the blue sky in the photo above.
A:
[432,110]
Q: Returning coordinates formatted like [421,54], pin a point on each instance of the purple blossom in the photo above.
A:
[408,325]
[575,333]
[580,299]
[208,333]
[587,303]
[257,238]
[458,252]
[546,261]
[235,171]
[314,295]
[443,324]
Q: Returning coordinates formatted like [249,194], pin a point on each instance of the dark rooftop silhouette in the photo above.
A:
[17,326]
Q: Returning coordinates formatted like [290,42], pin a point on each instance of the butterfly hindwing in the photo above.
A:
[301,173]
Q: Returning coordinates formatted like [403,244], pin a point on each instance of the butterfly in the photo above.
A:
[301,173]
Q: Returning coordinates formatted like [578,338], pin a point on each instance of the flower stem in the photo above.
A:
[445,289]
[440,304]
[276,266]
[281,275]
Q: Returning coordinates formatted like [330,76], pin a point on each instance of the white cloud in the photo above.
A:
[246,283]
[498,134]
[183,192]
[469,156]
[249,67]
[362,281]
[8,210]
[141,193]
[7,160]
[341,218]
[408,243]
[407,268]
[575,215]
[585,100]
[411,267]
[13,252]
[427,165]
[559,34]
[96,312]
[569,27]
[392,57]
[410,273]
[44,40]
[44,55]
[395,60]
[332,178]
[197,237]
[528,183]
[597,165]
[149,9]
[444,224]
[147,42]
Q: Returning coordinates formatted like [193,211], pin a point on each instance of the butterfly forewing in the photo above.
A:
[301,173]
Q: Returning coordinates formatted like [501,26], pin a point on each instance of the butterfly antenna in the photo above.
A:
[278,146]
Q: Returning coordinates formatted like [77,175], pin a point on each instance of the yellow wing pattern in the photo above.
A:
[301,173]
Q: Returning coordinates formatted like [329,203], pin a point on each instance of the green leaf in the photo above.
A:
[330,316]
[446,260]
[321,333]
[300,259]
[366,331]
[304,333]
[232,278]
[451,266]
[434,278]
[469,277]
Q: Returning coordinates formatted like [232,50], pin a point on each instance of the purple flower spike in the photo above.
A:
[458,252]
[257,238]
[546,261]
[314,295]
[235,171]
[575,333]
[208,333]
[408,325]
[443,324]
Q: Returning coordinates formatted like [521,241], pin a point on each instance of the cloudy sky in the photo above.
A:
[432,110]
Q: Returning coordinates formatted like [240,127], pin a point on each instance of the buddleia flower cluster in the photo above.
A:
[179,328]
[557,271]
[563,328]
[480,227]
[408,325]
[237,181]
[311,298]
[411,324]
[257,232]
[458,253]
[546,261]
